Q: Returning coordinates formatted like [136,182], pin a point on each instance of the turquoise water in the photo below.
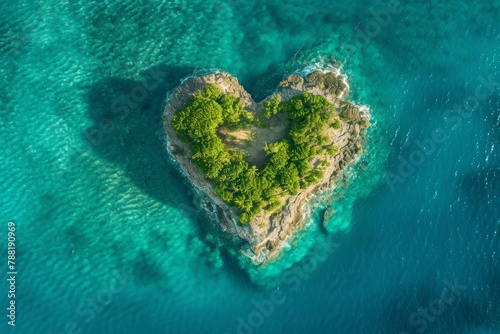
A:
[88,211]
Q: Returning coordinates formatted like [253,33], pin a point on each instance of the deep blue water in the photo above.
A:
[418,213]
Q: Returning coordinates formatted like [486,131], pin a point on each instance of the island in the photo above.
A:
[260,163]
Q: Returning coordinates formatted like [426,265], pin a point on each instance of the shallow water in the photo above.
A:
[88,210]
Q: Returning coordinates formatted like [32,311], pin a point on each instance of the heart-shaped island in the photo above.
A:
[259,163]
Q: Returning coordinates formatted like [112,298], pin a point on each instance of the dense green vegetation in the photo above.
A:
[336,124]
[288,169]
[272,107]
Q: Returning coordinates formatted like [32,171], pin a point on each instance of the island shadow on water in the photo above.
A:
[128,132]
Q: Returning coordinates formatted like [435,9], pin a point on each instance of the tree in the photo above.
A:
[332,150]
[336,124]
[211,91]
[272,107]
[290,179]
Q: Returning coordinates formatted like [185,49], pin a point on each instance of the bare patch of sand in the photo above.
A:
[253,139]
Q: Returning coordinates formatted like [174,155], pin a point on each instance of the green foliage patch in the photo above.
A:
[289,168]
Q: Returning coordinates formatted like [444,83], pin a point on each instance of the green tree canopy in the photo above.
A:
[289,168]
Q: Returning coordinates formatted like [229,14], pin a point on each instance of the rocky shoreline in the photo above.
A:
[267,233]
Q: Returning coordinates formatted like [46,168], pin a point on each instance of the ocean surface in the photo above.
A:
[111,238]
